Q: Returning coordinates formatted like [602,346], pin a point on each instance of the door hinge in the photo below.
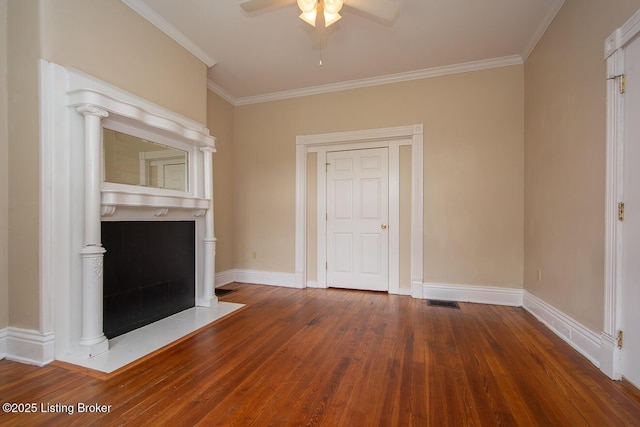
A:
[620,342]
[622,82]
[621,211]
[326,265]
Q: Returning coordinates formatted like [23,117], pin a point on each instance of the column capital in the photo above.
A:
[207,149]
[92,110]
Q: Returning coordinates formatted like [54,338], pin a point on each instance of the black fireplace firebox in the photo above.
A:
[149,272]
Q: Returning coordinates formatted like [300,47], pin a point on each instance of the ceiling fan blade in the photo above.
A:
[253,5]
[382,9]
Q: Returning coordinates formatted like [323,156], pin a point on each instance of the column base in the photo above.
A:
[207,302]
[89,350]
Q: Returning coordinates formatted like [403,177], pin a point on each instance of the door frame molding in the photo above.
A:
[610,354]
[371,138]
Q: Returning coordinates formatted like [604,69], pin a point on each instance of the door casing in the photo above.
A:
[610,353]
[391,138]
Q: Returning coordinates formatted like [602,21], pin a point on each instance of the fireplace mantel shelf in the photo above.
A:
[113,199]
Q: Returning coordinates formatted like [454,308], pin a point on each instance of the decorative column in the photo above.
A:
[92,340]
[209,244]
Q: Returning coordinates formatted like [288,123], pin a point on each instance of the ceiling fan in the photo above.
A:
[326,12]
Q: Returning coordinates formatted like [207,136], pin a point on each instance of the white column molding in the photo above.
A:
[92,340]
[208,296]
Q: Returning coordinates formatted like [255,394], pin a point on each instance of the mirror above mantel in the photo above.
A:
[132,160]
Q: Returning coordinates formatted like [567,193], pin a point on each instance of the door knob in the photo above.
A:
[383,226]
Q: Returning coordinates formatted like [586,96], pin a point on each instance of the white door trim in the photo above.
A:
[610,357]
[371,138]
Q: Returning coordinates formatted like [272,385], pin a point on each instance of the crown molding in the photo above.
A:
[542,28]
[221,92]
[178,36]
[466,67]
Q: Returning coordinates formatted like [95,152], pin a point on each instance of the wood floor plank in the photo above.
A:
[341,358]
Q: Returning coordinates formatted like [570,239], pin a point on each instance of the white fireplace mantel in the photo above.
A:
[74,199]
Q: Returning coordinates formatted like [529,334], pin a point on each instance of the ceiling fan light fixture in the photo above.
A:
[309,17]
[331,18]
[329,8]
[307,6]
[332,7]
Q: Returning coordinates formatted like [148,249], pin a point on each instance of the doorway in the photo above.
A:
[392,138]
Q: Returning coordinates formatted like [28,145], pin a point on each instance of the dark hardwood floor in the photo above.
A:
[341,358]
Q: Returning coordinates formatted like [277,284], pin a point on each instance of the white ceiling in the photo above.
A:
[272,54]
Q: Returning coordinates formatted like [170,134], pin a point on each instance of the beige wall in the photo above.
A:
[24,173]
[110,41]
[220,120]
[565,158]
[4,172]
[473,170]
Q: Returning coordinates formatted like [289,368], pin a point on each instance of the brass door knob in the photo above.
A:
[383,226]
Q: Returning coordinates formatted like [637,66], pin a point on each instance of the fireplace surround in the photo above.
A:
[76,200]
[149,271]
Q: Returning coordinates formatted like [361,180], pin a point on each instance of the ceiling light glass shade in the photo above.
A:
[330,18]
[309,9]
[332,7]
[309,17]
[307,6]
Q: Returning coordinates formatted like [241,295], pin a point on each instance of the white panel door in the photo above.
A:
[631,225]
[357,218]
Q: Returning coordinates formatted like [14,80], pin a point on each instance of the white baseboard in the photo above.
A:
[610,357]
[225,277]
[255,277]
[476,294]
[582,339]
[4,332]
[416,290]
[29,346]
